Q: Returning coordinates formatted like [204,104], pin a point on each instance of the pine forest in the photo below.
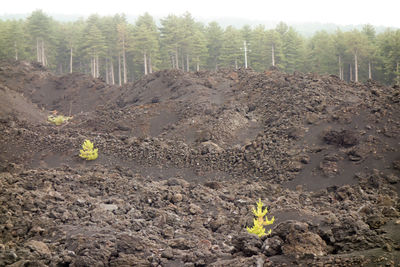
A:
[119,52]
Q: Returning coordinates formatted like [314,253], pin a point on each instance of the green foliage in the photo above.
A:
[99,44]
[259,222]
[321,56]
[230,51]
[58,120]
[214,35]
[88,152]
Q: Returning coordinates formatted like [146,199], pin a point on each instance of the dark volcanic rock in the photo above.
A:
[183,158]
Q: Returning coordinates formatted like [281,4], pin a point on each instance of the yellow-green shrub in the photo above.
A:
[58,120]
[259,222]
[88,152]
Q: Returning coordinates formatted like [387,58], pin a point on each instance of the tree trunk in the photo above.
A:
[355,67]
[342,73]
[37,50]
[340,68]
[183,62]
[187,62]
[369,70]
[119,69]
[150,65]
[350,72]
[173,62]
[176,58]
[198,64]
[273,54]
[16,50]
[112,73]
[97,67]
[107,72]
[124,58]
[145,63]
[94,66]
[43,56]
[70,62]
[398,74]
[236,65]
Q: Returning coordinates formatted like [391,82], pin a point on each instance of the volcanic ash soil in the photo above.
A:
[183,159]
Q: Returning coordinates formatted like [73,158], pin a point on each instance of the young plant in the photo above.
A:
[58,120]
[259,222]
[88,152]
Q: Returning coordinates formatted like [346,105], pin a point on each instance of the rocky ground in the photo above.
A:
[183,158]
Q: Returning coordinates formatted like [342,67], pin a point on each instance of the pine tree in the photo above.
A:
[293,51]
[356,44]
[274,43]
[371,49]
[232,41]
[389,51]
[94,44]
[39,28]
[199,49]
[146,42]
[260,55]
[172,36]
[340,51]
[321,56]
[214,35]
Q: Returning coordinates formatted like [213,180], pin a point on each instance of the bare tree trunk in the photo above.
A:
[355,67]
[351,72]
[369,70]
[37,50]
[124,58]
[150,66]
[112,72]
[273,54]
[198,64]
[70,62]
[176,58]
[236,64]
[119,69]
[173,62]
[398,74]
[342,73]
[145,63]
[187,62]
[94,67]
[43,55]
[183,62]
[340,68]
[97,67]
[16,50]
[107,72]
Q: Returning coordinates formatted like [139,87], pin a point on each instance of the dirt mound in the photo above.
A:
[68,94]
[182,159]
[17,106]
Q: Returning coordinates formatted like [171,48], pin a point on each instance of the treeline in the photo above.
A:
[120,52]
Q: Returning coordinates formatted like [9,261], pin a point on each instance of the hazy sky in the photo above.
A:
[382,12]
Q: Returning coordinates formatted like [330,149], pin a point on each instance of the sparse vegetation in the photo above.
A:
[259,222]
[88,152]
[58,120]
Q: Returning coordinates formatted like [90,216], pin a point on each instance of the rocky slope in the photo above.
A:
[185,156]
